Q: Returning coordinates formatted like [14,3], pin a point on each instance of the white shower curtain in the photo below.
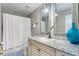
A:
[16,31]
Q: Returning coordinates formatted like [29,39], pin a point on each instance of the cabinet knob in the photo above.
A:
[38,49]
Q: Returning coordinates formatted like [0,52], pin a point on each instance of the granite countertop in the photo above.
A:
[60,44]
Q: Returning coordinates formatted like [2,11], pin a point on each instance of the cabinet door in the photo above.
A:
[42,53]
[29,49]
[61,53]
[35,51]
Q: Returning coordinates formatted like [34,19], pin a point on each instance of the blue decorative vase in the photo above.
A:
[73,34]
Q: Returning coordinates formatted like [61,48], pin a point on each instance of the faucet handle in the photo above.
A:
[52,27]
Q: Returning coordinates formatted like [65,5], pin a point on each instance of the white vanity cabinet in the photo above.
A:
[43,53]
[38,49]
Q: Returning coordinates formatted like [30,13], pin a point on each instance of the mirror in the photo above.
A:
[45,19]
[63,18]
[58,15]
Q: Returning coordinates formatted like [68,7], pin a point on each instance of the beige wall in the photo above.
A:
[35,16]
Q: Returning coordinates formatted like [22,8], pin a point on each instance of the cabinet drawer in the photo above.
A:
[35,51]
[43,47]
[61,53]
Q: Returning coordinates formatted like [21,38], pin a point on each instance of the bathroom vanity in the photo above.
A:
[42,46]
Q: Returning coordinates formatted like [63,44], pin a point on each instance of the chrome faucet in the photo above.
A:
[49,33]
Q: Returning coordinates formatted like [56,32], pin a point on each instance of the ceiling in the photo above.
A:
[60,7]
[22,9]
[25,9]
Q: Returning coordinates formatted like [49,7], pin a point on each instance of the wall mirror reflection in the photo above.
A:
[58,15]
[63,18]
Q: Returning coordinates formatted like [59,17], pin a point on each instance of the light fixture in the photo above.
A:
[46,10]
[34,25]
[56,14]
